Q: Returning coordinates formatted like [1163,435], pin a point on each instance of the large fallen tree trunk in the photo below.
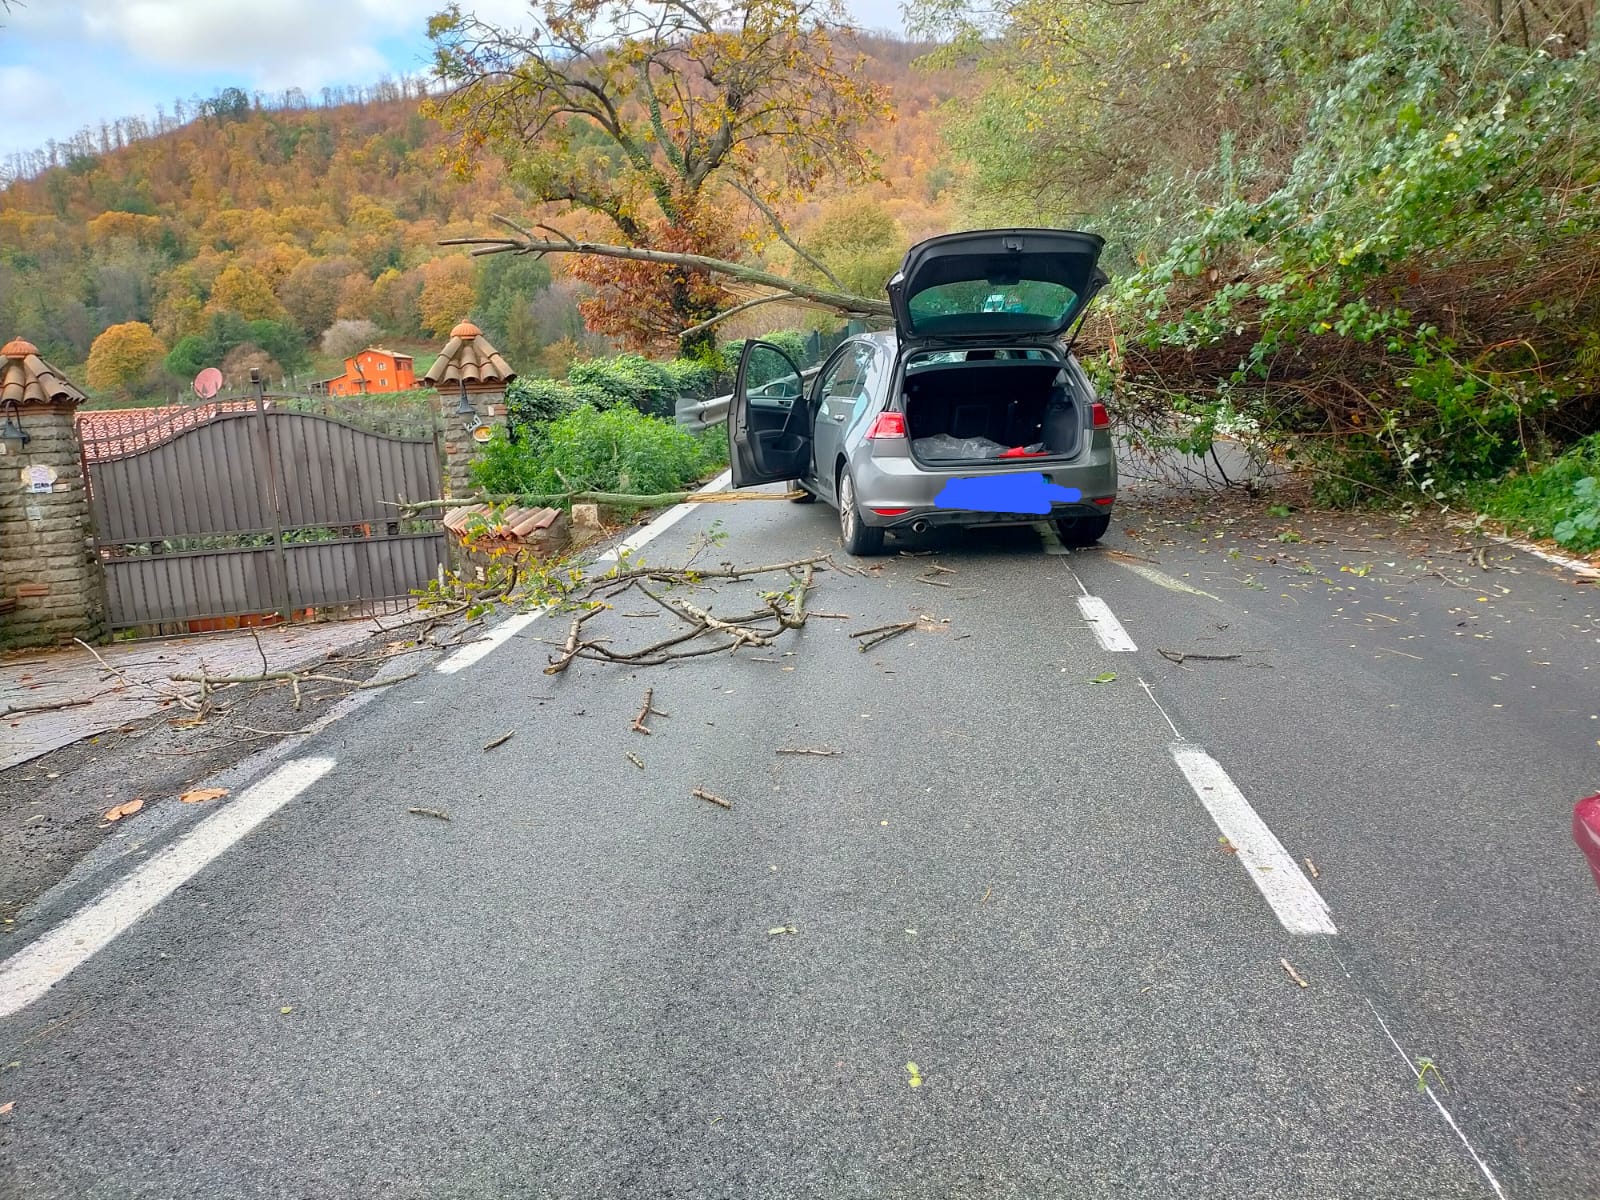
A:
[615,499]
[527,243]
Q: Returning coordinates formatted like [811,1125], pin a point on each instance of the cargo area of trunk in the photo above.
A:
[994,410]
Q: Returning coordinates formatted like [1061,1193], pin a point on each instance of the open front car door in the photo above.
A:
[769,423]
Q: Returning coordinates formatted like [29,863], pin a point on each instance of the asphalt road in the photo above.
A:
[572,987]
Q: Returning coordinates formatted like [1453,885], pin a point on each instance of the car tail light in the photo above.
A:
[888,425]
[890,512]
[1099,416]
[1106,500]
[1586,832]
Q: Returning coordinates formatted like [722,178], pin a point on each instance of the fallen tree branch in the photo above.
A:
[648,708]
[1178,656]
[884,632]
[24,709]
[740,634]
[570,650]
[839,301]
[615,499]
[702,794]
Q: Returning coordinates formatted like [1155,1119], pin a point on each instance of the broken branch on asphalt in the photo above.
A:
[706,632]
[649,707]
[702,794]
[883,632]
[1181,656]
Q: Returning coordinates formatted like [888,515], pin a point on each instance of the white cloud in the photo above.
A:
[28,94]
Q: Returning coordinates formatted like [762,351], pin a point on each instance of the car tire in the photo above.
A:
[804,497]
[856,537]
[1082,531]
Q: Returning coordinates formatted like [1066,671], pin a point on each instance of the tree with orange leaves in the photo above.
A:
[686,125]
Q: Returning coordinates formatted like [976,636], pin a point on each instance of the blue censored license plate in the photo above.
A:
[1025,492]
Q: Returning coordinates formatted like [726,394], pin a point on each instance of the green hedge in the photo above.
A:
[618,449]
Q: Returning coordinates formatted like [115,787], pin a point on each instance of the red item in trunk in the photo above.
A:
[1022,452]
[1586,832]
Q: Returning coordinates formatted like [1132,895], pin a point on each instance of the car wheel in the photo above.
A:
[857,538]
[804,497]
[1082,531]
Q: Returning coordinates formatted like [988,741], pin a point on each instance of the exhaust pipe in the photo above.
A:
[919,526]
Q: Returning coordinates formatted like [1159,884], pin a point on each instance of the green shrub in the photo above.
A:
[691,377]
[627,379]
[1557,500]
[616,450]
[791,341]
[533,402]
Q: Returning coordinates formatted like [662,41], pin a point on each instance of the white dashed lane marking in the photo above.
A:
[1299,906]
[1103,621]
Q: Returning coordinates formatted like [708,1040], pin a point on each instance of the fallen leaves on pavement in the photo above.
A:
[499,741]
[124,810]
[435,813]
[201,795]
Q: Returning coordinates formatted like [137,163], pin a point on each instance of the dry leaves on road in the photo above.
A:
[123,810]
[201,795]
[7,1107]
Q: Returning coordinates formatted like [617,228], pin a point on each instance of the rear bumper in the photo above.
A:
[898,483]
[934,518]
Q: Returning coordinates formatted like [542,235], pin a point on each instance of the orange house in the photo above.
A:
[373,370]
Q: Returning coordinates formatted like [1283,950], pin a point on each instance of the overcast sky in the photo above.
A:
[69,63]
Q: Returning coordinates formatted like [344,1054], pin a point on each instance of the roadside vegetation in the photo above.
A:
[1362,234]
[1559,500]
[1365,232]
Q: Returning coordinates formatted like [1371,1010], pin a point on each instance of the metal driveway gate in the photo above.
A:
[239,509]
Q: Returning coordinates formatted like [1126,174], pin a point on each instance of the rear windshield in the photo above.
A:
[940,357]
[1023,303]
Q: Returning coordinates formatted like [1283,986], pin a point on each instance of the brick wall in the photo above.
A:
[47,561]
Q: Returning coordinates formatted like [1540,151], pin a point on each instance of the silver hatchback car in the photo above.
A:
[969,413]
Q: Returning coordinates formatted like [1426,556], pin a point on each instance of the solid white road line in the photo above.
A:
[1300,907]
[493,640]
[1106,627]
[511,626]
[32,971]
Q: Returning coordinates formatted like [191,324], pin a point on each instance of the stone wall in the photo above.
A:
[47,562]
[461,449]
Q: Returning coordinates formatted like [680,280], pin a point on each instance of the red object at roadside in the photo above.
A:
[1586,832]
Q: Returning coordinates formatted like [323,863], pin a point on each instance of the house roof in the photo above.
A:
[469,358]
[513,524]
[25,378]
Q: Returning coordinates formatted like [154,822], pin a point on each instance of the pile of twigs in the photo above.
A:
[704,632]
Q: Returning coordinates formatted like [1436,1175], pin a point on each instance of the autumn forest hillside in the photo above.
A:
[284,234]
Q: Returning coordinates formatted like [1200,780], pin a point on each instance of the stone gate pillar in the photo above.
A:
[471,377]
[52,588]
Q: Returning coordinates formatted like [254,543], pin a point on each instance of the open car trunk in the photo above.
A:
[991,410]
